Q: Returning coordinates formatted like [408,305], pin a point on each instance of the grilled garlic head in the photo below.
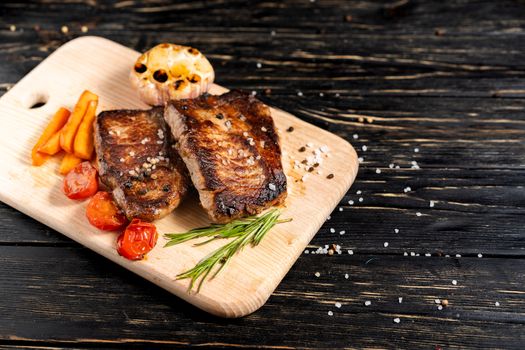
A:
[171,72]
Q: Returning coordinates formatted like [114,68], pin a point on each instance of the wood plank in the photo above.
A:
[38,192]
[71,293]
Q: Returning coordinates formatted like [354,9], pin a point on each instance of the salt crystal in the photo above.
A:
[355,136]
[454,282]
[346,276]
[396,230]
[338,305]
[364,148]
[317,274]
[385,244]
[418,214]
[332,230]
[360,199]
[431,204]
[480,255]
[378,171]
[400,299]
[497,303]
[330,313]
[397,320]
[350,252]
[361,159]
[368,303]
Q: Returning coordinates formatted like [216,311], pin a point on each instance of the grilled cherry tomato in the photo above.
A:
[138,239]
[81,182]
[103,213]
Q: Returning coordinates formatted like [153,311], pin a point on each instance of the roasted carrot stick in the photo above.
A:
[67,135]
[68,163]
[59,120]
[83,145]
[52,146]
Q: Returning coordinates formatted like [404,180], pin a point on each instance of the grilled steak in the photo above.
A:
[137,161]
[231,148]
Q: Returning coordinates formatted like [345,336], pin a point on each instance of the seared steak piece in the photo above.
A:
[137,161]
[231,148]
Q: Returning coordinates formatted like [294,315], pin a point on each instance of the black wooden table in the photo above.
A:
[431,94]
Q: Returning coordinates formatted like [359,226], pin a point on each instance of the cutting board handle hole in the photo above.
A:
[37,100]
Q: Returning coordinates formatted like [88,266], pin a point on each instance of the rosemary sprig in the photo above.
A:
[250,230]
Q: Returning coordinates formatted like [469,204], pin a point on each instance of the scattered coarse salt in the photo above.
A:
[400,299]
[351,202]
[84,29]
[350,252]
[64,29]
[412,254]
[437,301]
[396,230]
[407,189]
[405,254]
[364,148]
[321,94]
[454,282]
[385,244]
[131,154]
[329,217]
[416,150]
[122,160]
[440,307]
[397,320]
[12,28]
[391,165]
[309,144]
[428,254]
[324,149]
[355,136]
[306,251]
[317,274]
[272,187]
[480,255]
[360,159]
[458,255]
[330,313]
[254,92]
[299,93]
[340,208]
[360,199]
[338,305]
[332,230]
[342,232]
[259,65]
[497,303]
[273,32]
[347,276]
[368,303]
[418,214]
[263,129]
[431,204]
[378,171]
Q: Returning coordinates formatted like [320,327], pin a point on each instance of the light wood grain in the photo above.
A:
[102,66]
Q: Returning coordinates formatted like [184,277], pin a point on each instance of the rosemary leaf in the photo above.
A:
[246,231]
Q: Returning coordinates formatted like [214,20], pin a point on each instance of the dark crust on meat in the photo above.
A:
[125,140]
[207,129]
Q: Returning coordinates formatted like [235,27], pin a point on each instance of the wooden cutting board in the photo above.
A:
[102,66]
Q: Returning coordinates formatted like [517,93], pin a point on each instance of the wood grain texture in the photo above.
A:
[443,76]
[36,191]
